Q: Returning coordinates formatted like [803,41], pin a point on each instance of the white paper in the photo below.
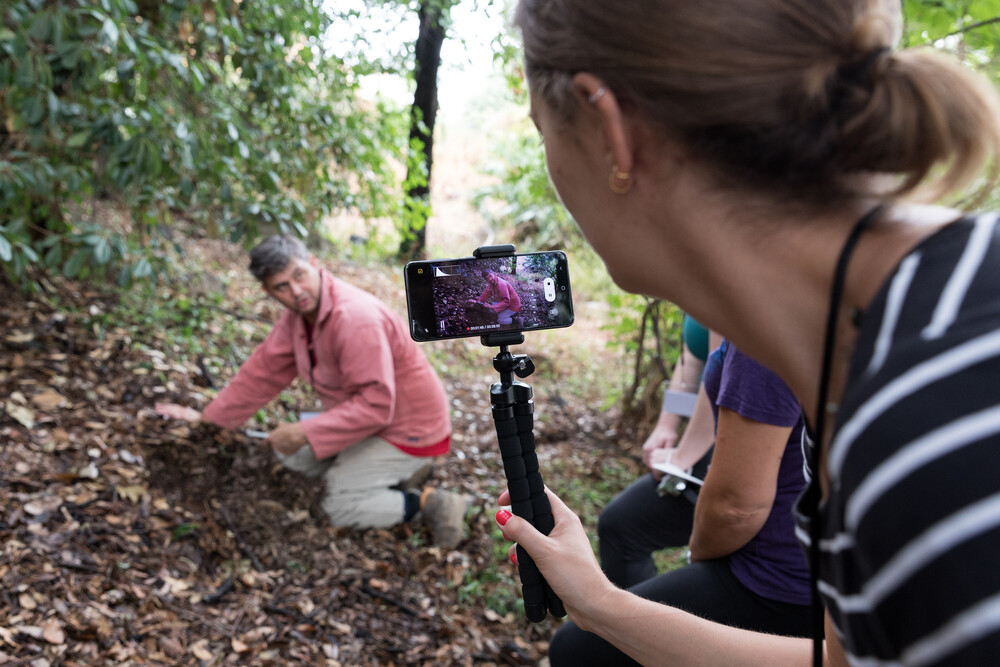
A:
[674,471]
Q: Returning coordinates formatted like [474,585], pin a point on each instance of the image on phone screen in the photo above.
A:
[452,298]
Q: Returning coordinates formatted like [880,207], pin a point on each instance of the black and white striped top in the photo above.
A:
[910,548]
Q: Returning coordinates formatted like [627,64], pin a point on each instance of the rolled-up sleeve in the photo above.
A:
[269,369]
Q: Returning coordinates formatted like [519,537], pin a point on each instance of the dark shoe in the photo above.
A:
[444,515]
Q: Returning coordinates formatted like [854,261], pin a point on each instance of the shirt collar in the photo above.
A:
[326,289]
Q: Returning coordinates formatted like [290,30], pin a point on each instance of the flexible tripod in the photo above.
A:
[513,416]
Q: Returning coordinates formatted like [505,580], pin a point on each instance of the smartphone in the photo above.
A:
[470,296]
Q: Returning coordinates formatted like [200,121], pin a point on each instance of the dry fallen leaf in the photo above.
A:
[132,493]
[20,337]
[199,651]
[52,631]
[49,400]
[25,416]
[171,647]
[42,505]
[30,630]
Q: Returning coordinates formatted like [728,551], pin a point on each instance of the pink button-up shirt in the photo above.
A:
[501,296]
[371,377]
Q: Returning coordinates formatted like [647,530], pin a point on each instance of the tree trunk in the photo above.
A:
[433,20]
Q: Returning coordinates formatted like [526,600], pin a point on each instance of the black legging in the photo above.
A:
[636,523]
[707,589]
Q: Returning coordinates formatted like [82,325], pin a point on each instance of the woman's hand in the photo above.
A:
[663,437]
[564,557]
[661,456]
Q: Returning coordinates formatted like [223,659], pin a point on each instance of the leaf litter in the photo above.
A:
[126,538]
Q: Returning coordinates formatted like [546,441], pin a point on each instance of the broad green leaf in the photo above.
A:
[75,263]
[29,252]
[6,252]
[102,252]
[41,27]
[142,268]
[78,140]
[110,31]
[33,110]
[53,258]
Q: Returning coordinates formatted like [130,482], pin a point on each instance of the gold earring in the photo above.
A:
[619,181]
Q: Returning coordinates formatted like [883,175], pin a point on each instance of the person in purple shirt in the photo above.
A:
[747,569]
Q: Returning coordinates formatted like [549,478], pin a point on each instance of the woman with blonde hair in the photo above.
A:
[759,163]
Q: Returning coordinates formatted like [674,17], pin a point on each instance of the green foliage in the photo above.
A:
[969,28]
[496,587]
[185,529]
[589,492]
[230,114]
[523,203]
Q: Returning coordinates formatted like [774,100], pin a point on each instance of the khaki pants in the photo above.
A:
[359,480]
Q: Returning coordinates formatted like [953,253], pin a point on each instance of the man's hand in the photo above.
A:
[178,412]
[288,438]
[661,438]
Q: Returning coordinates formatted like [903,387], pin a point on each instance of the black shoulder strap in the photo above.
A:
[820,418]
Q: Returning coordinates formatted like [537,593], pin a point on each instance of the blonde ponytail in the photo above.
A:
[931,121]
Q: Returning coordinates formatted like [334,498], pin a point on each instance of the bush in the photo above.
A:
[231,114]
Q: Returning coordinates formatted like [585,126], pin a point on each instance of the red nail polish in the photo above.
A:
[503,516]
[513,556]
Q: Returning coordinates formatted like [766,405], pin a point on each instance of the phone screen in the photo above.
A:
[453,298]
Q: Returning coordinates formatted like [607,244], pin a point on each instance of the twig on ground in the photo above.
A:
[226,586]
[391,600]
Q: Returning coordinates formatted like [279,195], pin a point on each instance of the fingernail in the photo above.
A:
[503,516]
[513,556]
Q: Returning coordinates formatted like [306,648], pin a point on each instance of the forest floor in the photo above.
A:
[126,538]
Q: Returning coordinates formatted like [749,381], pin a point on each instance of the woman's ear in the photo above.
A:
[595,95]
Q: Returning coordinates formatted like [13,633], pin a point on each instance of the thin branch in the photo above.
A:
[973,26]
[391,600]
[214,597]
[658,356]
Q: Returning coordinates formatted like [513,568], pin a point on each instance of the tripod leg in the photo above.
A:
[532,585]
[514,422]
[542,511]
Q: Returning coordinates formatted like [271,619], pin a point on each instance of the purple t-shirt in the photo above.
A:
[771,564]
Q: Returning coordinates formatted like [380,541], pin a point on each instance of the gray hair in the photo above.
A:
[273,254]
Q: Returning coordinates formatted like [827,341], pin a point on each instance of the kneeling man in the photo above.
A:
[385,411]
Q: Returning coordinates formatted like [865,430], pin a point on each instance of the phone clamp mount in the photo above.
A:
[513,416]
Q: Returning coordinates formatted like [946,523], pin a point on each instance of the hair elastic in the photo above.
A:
[858,71]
